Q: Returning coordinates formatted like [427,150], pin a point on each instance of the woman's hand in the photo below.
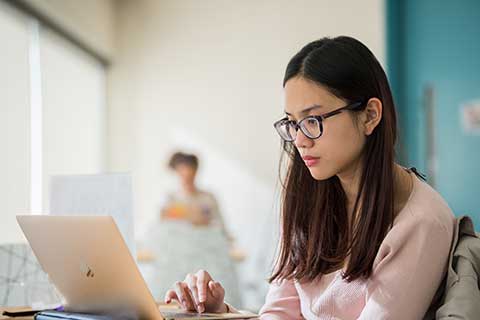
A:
[198,292]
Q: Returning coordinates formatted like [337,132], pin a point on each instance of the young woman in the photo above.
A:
[362,237]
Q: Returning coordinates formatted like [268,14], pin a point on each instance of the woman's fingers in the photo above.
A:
[184,297]
[171,295]
[203,278]
[198,292]
[216,289]
[191,281]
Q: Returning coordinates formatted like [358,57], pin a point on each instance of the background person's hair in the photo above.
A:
[178,158]
[317,236]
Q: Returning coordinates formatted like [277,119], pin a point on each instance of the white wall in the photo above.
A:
[221,62]
[91,21]
[206,75]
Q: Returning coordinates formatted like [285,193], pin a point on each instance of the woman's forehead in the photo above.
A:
[302,95]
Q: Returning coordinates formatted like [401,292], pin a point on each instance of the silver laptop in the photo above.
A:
[90,264]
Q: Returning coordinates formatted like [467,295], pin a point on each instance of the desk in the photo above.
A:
[163,306]
[12,309]
[250,316]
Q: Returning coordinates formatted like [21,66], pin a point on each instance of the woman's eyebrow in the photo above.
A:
[306,110]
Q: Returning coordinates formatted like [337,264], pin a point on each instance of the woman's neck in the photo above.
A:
[350,181]
[403,185]
[402,188]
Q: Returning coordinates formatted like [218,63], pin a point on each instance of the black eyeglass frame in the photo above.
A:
[319,119]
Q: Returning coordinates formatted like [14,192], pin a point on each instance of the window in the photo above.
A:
[73,93]
[52,115]
[14,121]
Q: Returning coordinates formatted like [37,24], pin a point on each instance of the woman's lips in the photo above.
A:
[310,161]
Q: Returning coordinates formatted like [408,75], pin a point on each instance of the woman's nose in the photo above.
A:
[302,141]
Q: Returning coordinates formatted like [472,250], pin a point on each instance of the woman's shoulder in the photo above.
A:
[426,210]
[425,224]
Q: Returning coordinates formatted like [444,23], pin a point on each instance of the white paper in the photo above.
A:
[104,194]
[471,117]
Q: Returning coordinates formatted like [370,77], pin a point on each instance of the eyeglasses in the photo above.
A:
[311,126]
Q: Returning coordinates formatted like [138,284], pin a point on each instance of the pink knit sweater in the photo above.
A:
[407,271]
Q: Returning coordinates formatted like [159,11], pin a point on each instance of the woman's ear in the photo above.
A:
[372,115]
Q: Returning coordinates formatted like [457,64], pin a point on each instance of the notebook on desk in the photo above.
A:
[53,315]
[88,261]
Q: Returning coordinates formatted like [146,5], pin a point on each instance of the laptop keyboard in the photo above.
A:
[173,315]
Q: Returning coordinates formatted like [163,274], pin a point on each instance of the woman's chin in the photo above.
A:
[319,174]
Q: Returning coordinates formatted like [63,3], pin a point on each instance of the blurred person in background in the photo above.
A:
[192,217]
[189,203]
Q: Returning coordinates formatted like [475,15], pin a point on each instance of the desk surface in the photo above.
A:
[13,309]
[160,305]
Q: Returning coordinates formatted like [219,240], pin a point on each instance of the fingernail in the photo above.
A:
[201,308]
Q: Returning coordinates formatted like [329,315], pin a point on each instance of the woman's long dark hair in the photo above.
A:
[317,235]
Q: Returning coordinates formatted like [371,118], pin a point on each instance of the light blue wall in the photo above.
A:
[438,43]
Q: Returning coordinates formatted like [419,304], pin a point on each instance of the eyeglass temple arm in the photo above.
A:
[348,107]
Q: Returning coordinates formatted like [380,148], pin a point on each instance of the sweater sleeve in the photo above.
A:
[410,266]
[282,302]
